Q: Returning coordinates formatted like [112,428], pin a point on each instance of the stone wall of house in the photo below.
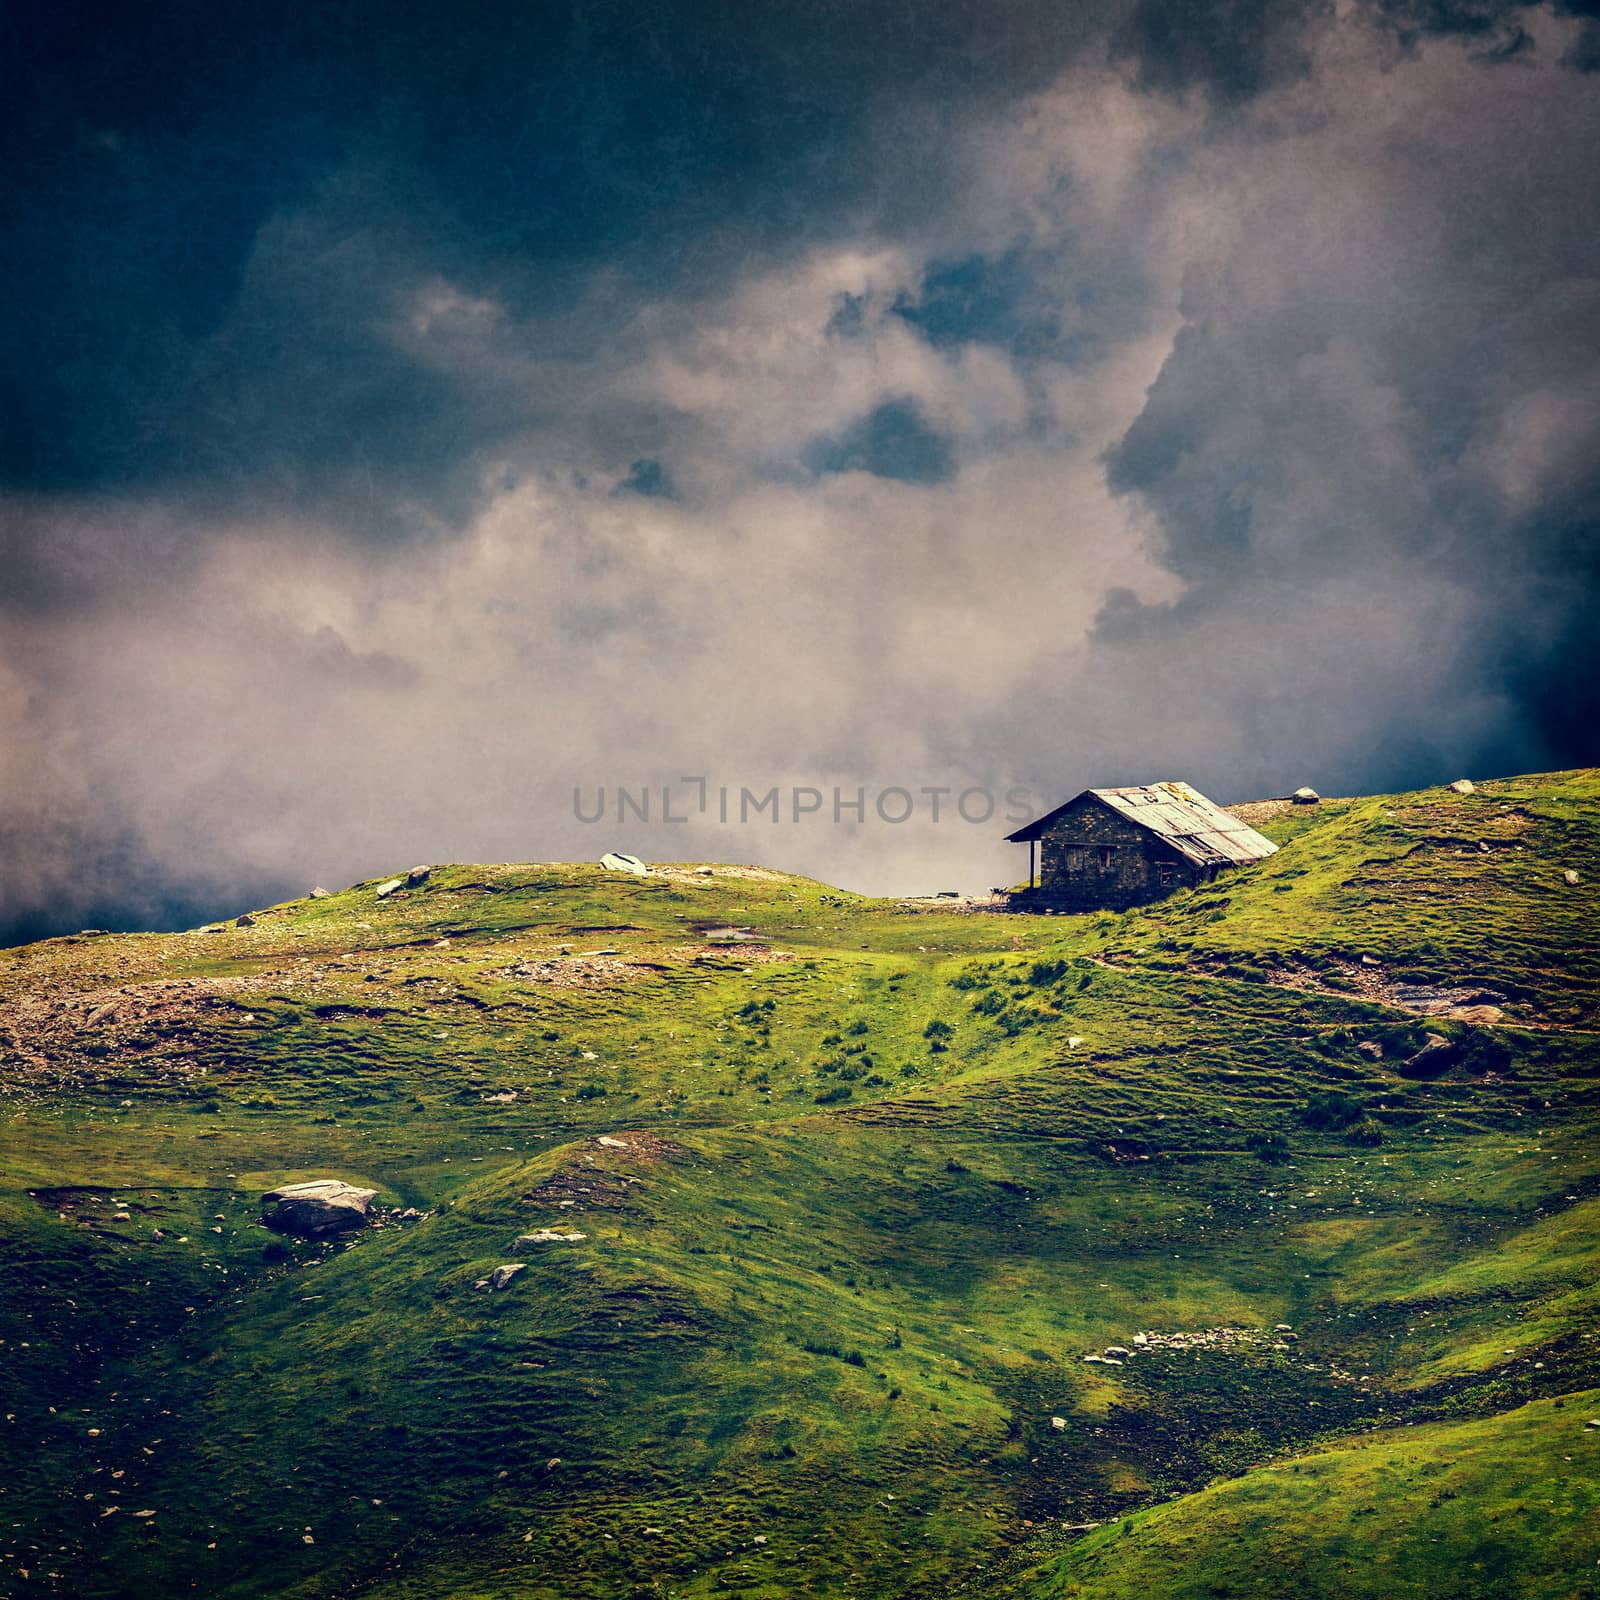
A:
[1092,858]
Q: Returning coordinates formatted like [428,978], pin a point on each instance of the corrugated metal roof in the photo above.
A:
[1181,815]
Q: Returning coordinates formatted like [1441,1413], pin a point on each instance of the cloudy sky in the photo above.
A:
[414,420]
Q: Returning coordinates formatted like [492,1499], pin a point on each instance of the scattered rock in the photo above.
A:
[1570,877]
[1463,786]
[417,876]
[246,921]
[1434,1056]
[1058,1423]
[1281,1327]
[527,1241]
[312,1210]
[1371,1048]
[1483,1015]
[1305,796]
[1141,1340]
[1370,961]
[319,893]
[1435,1000]
[1118,1350]
[617,861]
[948,894]
[387,889]
[503,1275]
[613,1144]
[122,1216]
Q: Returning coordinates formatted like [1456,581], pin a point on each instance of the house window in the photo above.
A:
[1074,858]
[1108,857]
[1165,874]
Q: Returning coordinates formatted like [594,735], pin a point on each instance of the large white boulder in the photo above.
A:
[315,1209]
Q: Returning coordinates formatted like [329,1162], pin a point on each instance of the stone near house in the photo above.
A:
[502,1275]
[1463,786]
[531,1241]
[1306,796]
[417,876]
[316,1209]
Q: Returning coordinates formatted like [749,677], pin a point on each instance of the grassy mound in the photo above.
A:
[1485,1510]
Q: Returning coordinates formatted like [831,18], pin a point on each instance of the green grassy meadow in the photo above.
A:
[860,1184]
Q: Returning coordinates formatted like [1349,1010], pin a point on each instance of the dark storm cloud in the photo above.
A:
[405,416]
[153,336]
[1236,47]
[1408,405]
[513,147]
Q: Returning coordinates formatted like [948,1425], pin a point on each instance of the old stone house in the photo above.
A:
[1114,848]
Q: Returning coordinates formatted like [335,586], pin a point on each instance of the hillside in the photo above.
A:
[854,1188]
